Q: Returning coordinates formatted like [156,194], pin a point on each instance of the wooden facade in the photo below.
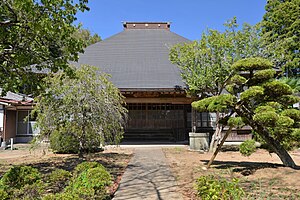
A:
[157,115]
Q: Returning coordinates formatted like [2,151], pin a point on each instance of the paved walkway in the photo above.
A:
[148,177]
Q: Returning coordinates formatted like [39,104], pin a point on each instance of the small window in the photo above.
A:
[26,123]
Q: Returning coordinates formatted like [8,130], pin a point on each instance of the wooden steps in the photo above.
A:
[149,135]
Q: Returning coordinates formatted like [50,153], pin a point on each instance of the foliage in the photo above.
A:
[222,103]
[264,75]
[89,107]
[61,196]
[33,191]
[253,92]
[292,113]
[91,183]
[84,166]
[235,122]
[203,104]
[86,36]
[21,182]
[206,64]
[251,64]
[266,118]
[280,28]
[19,176]
[214,188]
[63,142]
[276,88]
[266,106]
[37,36]
[58,179]
[294,83]
[89,180]
[247,147]
[3,194]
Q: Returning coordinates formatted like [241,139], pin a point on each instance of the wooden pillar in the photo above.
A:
[4,125]
[194,120]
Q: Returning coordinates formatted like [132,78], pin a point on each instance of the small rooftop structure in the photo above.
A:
[147,25]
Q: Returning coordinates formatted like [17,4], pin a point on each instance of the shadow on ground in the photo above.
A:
[108,160]
[244,167]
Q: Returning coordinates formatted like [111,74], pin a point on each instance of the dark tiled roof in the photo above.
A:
[137,58]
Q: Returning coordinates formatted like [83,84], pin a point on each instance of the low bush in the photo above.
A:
[33,191]
[63,142]
[3,194]
[58,180]
[19,176]
[62,196]
[90,183]
[21,182]
[214,188]
[247,147]
[84,166]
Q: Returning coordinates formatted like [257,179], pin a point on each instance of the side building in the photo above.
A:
[15,119]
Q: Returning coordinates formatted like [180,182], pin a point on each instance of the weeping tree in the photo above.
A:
[206,64]
[260,101]
[87,107]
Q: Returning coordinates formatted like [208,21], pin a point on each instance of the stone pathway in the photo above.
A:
[148,177]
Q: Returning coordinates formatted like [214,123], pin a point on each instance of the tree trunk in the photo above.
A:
[277,147]
[219,147]
[216,136]
[274,144]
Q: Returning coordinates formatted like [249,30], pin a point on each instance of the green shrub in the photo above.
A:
[3,194]
[64,142]
[19,176]
[247,147]
[58,179]
[62,196]
[90,183]
[84,166]
[33,191]
[213,188]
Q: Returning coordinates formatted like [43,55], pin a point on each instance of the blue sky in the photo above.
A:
[189,17]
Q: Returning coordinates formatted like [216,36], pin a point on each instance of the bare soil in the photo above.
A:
[261,175]
[115,160]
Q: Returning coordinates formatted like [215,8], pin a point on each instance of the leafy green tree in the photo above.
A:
[260,101]
[86,36]
[280,28]
[205,64]
[88,106]
[36,35]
